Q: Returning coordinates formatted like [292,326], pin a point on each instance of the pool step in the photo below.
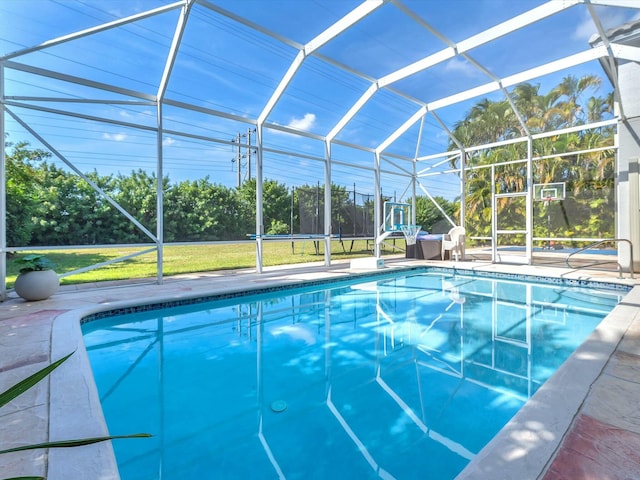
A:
[367,263]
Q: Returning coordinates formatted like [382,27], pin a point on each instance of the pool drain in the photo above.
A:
[279,406]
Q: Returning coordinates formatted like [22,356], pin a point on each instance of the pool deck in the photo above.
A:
[584,423]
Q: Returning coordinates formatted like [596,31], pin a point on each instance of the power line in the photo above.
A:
[237,159]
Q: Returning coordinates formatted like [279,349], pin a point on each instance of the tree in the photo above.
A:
[430,217]
[588,176]
[73,212]
[136,194]
[23,191]
[569,92]
[276,205]
[200,211]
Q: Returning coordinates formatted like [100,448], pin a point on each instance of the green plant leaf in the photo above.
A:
[35,262]
[31,258]
[73,443]
[24,385]
[25,478]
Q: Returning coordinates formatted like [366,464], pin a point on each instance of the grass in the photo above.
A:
[188,259]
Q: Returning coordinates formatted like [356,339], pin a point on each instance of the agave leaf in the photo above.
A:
[73,443]
[25,478]
[27,383]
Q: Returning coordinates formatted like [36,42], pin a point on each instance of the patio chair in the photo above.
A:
[454,243]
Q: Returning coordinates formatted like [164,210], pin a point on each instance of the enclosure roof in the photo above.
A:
[385,76]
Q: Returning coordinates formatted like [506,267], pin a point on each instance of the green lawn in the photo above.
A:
[188,259]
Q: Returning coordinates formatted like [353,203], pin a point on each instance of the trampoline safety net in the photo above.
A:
[352,213]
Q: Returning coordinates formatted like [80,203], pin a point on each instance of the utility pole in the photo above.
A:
[239,156]
[248,154]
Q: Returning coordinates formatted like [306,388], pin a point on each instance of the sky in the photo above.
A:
[233,68]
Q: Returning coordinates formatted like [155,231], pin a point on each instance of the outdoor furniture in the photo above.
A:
[429,248]
[454,242]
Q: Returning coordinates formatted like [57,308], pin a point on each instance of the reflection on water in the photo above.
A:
[403,378]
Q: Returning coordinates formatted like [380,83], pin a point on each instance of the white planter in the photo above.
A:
[37,285]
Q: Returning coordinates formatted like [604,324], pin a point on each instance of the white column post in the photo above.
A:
[529,200]
[463,188]
[494,217]
[3,195]
[327,203]
[159,199]
[259,209]
[377,198]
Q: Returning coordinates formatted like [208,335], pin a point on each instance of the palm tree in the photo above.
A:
[491,121]
[570,91]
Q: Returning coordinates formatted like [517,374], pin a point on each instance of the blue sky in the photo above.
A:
[228,67]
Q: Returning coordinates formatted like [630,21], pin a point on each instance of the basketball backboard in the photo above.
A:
[549,191]
[395,216]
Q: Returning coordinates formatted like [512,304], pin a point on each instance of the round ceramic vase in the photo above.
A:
[37,285]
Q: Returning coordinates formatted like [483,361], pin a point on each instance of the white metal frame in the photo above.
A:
[383,161]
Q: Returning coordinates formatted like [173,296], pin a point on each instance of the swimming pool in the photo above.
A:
[398,377]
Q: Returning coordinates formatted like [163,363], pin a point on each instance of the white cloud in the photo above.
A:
[442,135]
[125,114]
[585,29]
[304,123]
[461,67]
[168,141]
[116,137]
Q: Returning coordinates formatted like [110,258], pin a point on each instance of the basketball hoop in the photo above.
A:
[395,216]
[410,233]
[547,193]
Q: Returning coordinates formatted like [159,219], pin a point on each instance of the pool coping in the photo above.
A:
[527,444]
[522,449]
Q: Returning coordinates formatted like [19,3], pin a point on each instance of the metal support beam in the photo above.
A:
[83,176]
[3,194]
[259,207]
[414,174]
[494,217]
[463,186]
[529,200]
[159,200]
[402,129]
[162,89]
[319,41]
[327,204]
[377,198]
[94,30]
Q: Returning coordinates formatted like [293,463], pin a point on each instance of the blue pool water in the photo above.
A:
[404,377]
